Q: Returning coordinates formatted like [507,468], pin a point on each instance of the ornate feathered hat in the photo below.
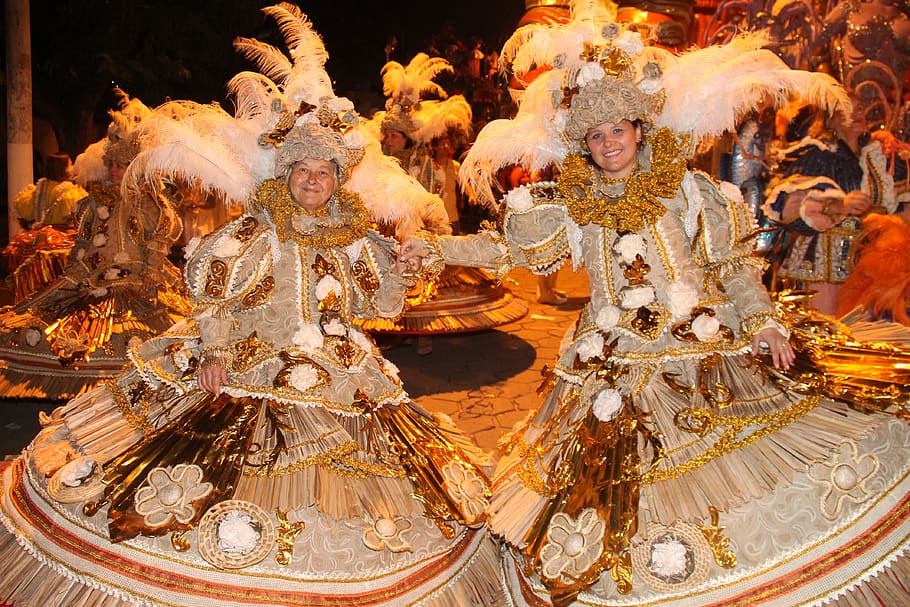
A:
[121,144]
[285,111]
[419,107]
[604,71]
[406,86]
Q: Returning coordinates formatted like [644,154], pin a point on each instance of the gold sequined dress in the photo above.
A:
[38,255]
[78,329]
[311,480]
[665,465]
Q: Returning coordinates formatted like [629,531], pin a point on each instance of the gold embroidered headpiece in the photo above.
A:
[122,144]
[605,89]
[327,137]
[396,119]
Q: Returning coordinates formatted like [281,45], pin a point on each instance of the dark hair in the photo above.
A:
[56,167]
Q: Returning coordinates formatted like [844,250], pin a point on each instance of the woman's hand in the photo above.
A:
[211,378]
[410,256]
[821,211]
[782,353]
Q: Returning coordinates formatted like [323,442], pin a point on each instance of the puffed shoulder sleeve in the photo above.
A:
[535,226]
[223,269]
[723,245]
[533,236]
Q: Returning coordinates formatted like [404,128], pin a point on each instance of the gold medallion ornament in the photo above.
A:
[348,218]
[638,205]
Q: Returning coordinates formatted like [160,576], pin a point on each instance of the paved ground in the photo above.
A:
[485,381]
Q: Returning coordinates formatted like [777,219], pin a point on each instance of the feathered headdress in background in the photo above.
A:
[416,105]
[232,154]
[603,71]
[406,86]
[121,144]
[435,118]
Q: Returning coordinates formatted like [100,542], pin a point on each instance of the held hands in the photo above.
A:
[778,344]
[822,210]
[211,378]
[410,257]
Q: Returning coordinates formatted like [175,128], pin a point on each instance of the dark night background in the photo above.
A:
[158,49]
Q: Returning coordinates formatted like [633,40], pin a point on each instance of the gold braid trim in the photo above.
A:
[638,205]
[139,421]
[347,222]
[728,442]
[220,356]
[729,267]
[338,461]
[753,323]
[434,263]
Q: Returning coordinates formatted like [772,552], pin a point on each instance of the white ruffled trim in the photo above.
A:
[695,206]
[573,238]
[789,186]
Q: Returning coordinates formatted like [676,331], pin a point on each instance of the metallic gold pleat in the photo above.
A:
[424,449]
[214,435]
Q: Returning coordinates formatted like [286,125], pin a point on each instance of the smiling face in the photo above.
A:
[393,141]
[312,182]
[614,147]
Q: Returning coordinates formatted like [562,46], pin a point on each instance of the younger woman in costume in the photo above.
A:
[683,453]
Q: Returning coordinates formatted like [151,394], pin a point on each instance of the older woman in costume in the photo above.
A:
[262,452]
[118,287]
[683,453]
[269,423]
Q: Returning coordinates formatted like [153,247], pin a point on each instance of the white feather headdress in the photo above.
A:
[232,154]
[607,70]
[435,118]
[122,142]
[407,85]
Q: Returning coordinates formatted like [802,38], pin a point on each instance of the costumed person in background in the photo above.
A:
[38,255]
[819,191]
[262,451]
[684,453]
[460,299]
[404,87]
[442,125]
[870,52]
[201,210]
[118,287]
[537,13]
[879,283]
